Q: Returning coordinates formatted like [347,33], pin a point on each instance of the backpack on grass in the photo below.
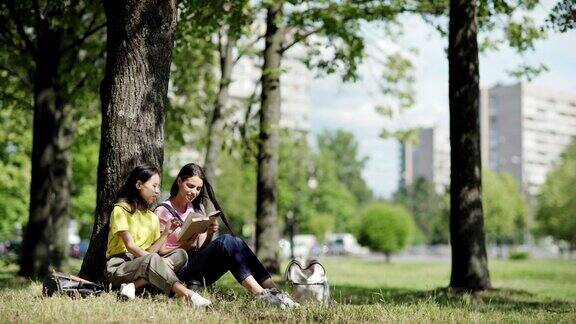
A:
[65,284]
[308,281]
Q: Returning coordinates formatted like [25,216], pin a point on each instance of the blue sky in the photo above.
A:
[351,106]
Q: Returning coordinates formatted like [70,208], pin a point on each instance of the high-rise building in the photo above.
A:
[523,131]
[429,158]
[529,127]
[295,82]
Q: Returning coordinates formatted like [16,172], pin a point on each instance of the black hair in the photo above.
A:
[129,193]
[207,192]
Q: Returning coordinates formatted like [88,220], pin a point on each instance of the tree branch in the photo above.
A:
[14,73]
[78,42]
[20,29]
[6,35]
[10,96]
[80,83]
[244,127]
[300,37]
[252,43]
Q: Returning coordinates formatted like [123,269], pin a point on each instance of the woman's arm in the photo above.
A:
[130,245]
[160,244]
[206,238]
[138,251]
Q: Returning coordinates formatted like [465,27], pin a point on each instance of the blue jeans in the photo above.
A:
[226,253]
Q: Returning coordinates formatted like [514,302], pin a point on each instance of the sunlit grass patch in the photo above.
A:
[362,291]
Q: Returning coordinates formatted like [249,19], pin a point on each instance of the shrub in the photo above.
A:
[385,227]
[518,255]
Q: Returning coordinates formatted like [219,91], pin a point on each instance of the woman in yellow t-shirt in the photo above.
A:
[134,240]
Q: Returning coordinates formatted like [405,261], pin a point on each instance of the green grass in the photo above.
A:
[362,291]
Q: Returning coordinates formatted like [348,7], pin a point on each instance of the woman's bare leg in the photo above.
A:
[268,283]
[139,283]
[189,296]
[252,285]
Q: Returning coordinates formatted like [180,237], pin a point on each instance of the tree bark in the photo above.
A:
[46,236]
[469,261]
[267,231]
[216,126]
[133,94]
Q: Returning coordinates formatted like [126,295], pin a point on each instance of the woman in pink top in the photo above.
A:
[209,259]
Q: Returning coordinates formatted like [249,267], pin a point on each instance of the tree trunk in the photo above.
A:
[133,94]
[216,126]
[46,236]
[267,231]
[469,261]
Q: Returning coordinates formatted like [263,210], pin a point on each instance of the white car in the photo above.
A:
[305,245]
[345,244]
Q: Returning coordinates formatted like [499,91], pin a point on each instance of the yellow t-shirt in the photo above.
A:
[142,225]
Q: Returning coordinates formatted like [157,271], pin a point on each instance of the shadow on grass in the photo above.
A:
[495,299]
[9,278]
[503,300]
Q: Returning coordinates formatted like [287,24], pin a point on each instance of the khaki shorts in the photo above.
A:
[123,268]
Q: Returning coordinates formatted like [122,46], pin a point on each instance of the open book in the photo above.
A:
[196,223]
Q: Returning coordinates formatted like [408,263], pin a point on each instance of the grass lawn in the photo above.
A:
[362,291]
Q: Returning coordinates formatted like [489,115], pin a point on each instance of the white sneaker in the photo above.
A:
[270,297]
[197,301]
[287,300]
[127,291]
[278,298]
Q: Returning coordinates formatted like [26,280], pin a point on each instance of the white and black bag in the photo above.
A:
[308,282]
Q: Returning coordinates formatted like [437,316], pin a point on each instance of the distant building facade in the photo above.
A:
[295,83]
[529,127]
[428,158]
[523,131]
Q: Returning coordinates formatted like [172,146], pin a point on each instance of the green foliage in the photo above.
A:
[528,72]
[195,76]
[77,30]
[385,227]
[318,224]
[332,196]
[563,16]
[431,210]
[337,45]
[396,82]
[294,170]
[194,89]
[15,150]
[341,147]
[504,208]
[520,31]
[519,255]
[556,205]
[500,23]
[309,186]
[236,190]
[85,151]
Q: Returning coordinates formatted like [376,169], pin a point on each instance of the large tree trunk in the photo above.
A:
[267,231]
[469,262]
[133,95]
[45,239]
[217,121]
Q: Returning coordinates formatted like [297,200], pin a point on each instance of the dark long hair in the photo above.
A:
[129,193]
[188,171]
